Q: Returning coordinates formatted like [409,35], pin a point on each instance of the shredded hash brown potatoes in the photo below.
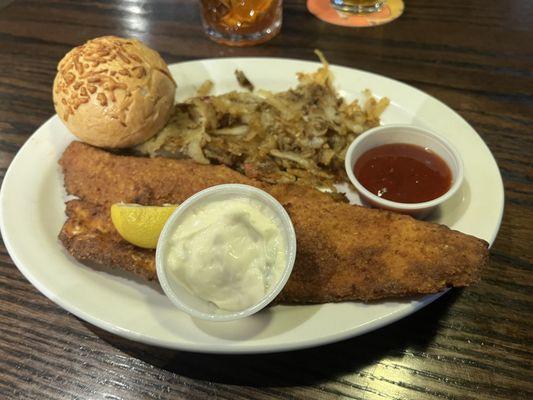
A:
[297,136]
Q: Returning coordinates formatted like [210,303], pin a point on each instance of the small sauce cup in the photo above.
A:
[189,302]
[408,134]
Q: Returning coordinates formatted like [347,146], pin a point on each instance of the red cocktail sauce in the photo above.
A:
[404,173]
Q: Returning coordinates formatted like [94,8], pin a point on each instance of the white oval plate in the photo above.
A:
[32,213]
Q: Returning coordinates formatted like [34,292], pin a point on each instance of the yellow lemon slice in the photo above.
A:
[140,225]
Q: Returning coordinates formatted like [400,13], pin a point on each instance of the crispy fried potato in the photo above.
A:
[297,136]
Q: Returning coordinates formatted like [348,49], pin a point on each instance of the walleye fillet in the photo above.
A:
[345,252]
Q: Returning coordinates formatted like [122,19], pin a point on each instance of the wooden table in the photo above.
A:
[474,55]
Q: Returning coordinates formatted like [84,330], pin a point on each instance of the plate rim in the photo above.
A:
[236,347]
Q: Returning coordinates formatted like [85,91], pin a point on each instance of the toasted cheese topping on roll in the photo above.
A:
[113,92]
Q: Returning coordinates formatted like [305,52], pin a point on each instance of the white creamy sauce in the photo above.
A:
[230,252]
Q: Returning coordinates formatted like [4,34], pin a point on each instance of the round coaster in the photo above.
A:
[323,10]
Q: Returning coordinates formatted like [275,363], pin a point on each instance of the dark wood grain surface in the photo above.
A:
[474,55]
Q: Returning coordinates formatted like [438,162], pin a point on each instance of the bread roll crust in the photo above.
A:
[113,92]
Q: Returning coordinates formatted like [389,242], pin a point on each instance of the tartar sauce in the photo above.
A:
[229,252]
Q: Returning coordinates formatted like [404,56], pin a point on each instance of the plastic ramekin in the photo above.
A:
[192,304]
[408,134]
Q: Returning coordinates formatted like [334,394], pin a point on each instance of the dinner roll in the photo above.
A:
[113,92]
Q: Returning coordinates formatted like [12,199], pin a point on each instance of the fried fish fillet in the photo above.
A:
[345,252]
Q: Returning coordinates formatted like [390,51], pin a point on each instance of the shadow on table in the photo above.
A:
[302,367]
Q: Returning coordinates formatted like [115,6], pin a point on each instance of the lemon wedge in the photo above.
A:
[140,225]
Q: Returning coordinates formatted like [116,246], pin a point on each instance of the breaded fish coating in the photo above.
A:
[345,252]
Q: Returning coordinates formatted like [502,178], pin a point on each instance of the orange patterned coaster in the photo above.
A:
[323,10]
